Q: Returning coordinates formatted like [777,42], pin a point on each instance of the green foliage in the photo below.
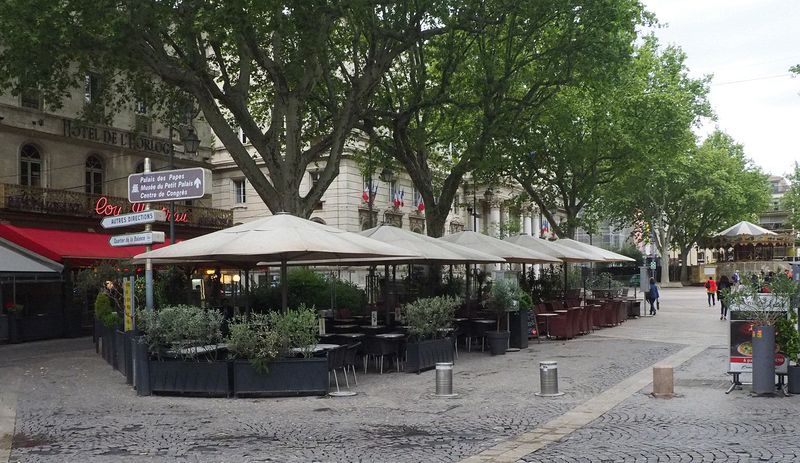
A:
[104,310]
[525,300]
[503,295]
[764,308]
[428,318]
[630,250]
[296,329]
[312,289]
[791,199]
[250,337]
[179,329]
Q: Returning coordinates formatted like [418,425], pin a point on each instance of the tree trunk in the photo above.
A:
[684,268]
[435,219]
[665,262]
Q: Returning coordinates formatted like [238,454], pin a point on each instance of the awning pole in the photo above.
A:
[284,286]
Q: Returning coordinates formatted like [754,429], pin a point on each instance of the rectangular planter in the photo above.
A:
[426,354]
[196,378]
[3,328]
[286,377]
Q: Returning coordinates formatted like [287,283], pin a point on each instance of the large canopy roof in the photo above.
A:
[552,248]
[603,254]
[509,251]
[281,237]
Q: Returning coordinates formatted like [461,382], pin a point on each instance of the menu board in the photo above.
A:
[741,342]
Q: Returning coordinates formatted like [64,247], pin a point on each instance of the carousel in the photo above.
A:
[747,242]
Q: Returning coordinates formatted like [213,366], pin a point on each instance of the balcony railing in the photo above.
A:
[75,204]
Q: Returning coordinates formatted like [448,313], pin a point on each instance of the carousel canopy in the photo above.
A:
[744,228]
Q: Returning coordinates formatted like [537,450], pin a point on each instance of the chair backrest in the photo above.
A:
[336,358]
[350,353]
[371,345]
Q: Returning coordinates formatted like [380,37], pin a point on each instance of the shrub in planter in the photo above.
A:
[104,311]
[179,330]
[428,320]
[503,295]
[250,338]
[296,329]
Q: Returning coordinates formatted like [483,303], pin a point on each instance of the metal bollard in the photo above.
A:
[444,380]
[548,379]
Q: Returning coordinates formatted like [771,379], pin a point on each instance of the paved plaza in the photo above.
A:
[65,404]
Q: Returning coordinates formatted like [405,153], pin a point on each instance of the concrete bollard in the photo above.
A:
[663,381]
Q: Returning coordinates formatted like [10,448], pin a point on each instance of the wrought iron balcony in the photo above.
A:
[76,204]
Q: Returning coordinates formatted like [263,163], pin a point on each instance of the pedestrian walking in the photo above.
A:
[711,290]
[723,288]
[652,296]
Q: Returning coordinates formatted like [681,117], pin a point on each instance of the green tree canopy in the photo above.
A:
[293,75]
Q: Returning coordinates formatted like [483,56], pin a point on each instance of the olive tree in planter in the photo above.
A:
[184,346]
[767,311]
[501,301]
[263,346]
[429,321]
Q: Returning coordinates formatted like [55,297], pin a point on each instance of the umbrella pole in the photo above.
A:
[247,291]
[566,282]
[386,291]
[467,289]
[284,287]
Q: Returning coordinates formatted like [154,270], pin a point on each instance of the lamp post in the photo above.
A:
[190,145]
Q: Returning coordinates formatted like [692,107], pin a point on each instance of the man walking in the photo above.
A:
[711,290]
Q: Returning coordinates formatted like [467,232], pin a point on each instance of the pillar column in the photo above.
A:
[503,218]
[536,225]
[493,225]
[527,223]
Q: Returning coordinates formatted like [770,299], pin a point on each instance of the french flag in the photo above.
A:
[420,203]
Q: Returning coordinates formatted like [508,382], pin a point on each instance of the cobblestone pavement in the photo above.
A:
[73,407]
[701,424]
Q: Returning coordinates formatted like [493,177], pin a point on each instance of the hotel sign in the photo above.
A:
[114,137]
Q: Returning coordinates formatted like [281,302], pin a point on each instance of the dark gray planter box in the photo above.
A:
[793,374]
[3,327]
[519,328]
[424,355]
[196,378]
[286,377]
[107,344]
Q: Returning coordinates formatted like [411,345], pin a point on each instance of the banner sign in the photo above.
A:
[128,296]
[740,337]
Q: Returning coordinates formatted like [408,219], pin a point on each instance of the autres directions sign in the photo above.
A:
[136,218]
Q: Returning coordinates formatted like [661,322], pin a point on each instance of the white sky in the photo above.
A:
[748,45]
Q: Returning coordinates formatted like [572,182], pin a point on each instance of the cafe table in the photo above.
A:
[315,348]
[390,335]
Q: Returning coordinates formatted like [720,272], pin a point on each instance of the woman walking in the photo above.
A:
[723,287]
[652,296]
[711,290]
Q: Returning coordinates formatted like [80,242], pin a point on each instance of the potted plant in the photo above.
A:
[767,311]
[264,347]
[502,300]
[519,321]
[106,320]
[184,346]
[429,321]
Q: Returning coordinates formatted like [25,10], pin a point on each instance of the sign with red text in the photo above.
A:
[136,239]
[168,185]
[136,218]
[103,206]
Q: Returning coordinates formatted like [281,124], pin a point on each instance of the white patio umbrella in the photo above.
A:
[745,228]
[281,237]
[552,248]
[509,251]
[604,254]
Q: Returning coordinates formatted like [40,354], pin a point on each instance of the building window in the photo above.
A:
[30,98]
[242,136]
[94,175]
[140,167]
[457,204]
[142,124]
[30,166]
[239,192]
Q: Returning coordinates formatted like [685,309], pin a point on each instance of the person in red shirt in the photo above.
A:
[711,290]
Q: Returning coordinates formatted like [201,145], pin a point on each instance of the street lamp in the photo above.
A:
[191,143]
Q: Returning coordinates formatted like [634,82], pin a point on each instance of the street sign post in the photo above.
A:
[137,239]
[168,185]
[136,218]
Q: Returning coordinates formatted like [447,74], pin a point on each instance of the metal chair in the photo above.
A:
[351,353]
[336,360]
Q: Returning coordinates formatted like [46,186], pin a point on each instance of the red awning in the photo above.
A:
[59,245]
